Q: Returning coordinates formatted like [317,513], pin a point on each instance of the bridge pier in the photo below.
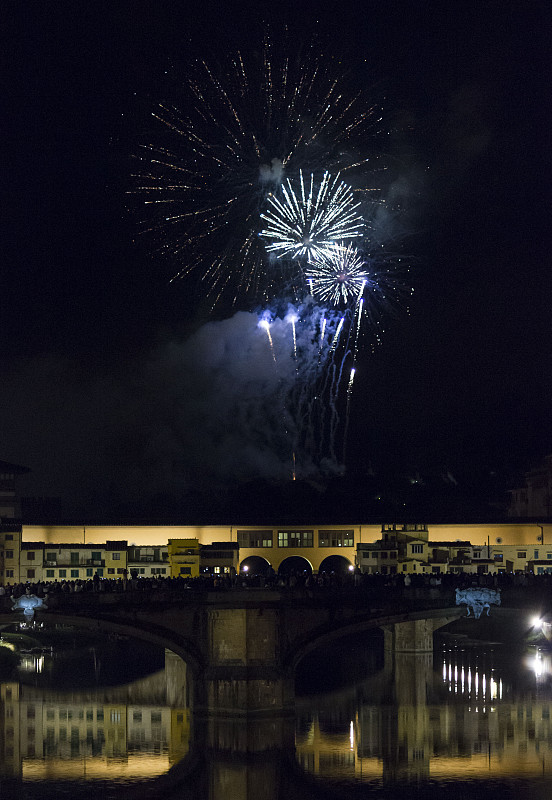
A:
[244,675]
[412,636]
[246,761]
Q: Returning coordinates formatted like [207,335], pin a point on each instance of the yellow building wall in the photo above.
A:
[509,533]
[141,535]
[135,535]
[179,559]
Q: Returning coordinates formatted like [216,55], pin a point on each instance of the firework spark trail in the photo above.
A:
[264,323]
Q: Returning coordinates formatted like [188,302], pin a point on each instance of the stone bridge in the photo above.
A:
[242,646]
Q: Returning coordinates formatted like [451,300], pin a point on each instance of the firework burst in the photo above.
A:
[337,275]
[310,217]
[250,124]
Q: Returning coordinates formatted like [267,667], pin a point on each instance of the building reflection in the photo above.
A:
[420,719]
[461,714]
[95,734]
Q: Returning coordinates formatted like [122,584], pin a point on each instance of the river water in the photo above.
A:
[472,718]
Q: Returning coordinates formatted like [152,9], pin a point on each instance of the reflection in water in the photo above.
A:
[464,714]
[125,733]
[434,720]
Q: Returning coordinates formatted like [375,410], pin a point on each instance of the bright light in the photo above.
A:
[309,217]
[245,568]
[351,568]
[537,622]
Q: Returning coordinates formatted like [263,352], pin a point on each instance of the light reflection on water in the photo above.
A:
[464,714]
[461,716]
[112,736]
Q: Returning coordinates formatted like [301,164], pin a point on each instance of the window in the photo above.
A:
[9,573]
[30,573]
[49,573]
[295,538]
[417,548]
[74,558]
[549,555]
[111,571]
[9,553]
[384,555]
[62,573]
[336,538]
[50,556]
[122,570]
[185,570]
[30,555]
[89,572]
[257,538]
[535,553]
[477,553]
[116,556]
[374,554]
[9,537]
[498,557]
[96,556]
[522,554]
[74,573]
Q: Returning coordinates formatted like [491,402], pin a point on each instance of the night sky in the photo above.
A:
[104,395]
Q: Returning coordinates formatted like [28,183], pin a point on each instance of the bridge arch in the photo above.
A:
[338,564]
[295,564]
[180,645]
[328,633]
[255,565]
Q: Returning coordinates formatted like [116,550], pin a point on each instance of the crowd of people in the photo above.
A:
[299,581]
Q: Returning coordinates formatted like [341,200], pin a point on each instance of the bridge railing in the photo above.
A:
[360,597]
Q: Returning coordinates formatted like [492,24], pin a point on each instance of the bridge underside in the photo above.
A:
[241,650]
[413,636]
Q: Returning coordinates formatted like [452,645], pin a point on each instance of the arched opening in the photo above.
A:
[339,565]
[255,565]
[295,565]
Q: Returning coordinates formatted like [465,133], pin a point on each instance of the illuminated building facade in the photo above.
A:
[41,552]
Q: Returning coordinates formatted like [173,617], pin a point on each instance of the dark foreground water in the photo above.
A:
[471,720]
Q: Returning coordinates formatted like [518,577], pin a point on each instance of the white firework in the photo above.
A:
[309,219]
[336,274]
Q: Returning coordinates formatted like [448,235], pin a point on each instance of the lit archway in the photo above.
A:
[295,565]
[255,565]
[337,564]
